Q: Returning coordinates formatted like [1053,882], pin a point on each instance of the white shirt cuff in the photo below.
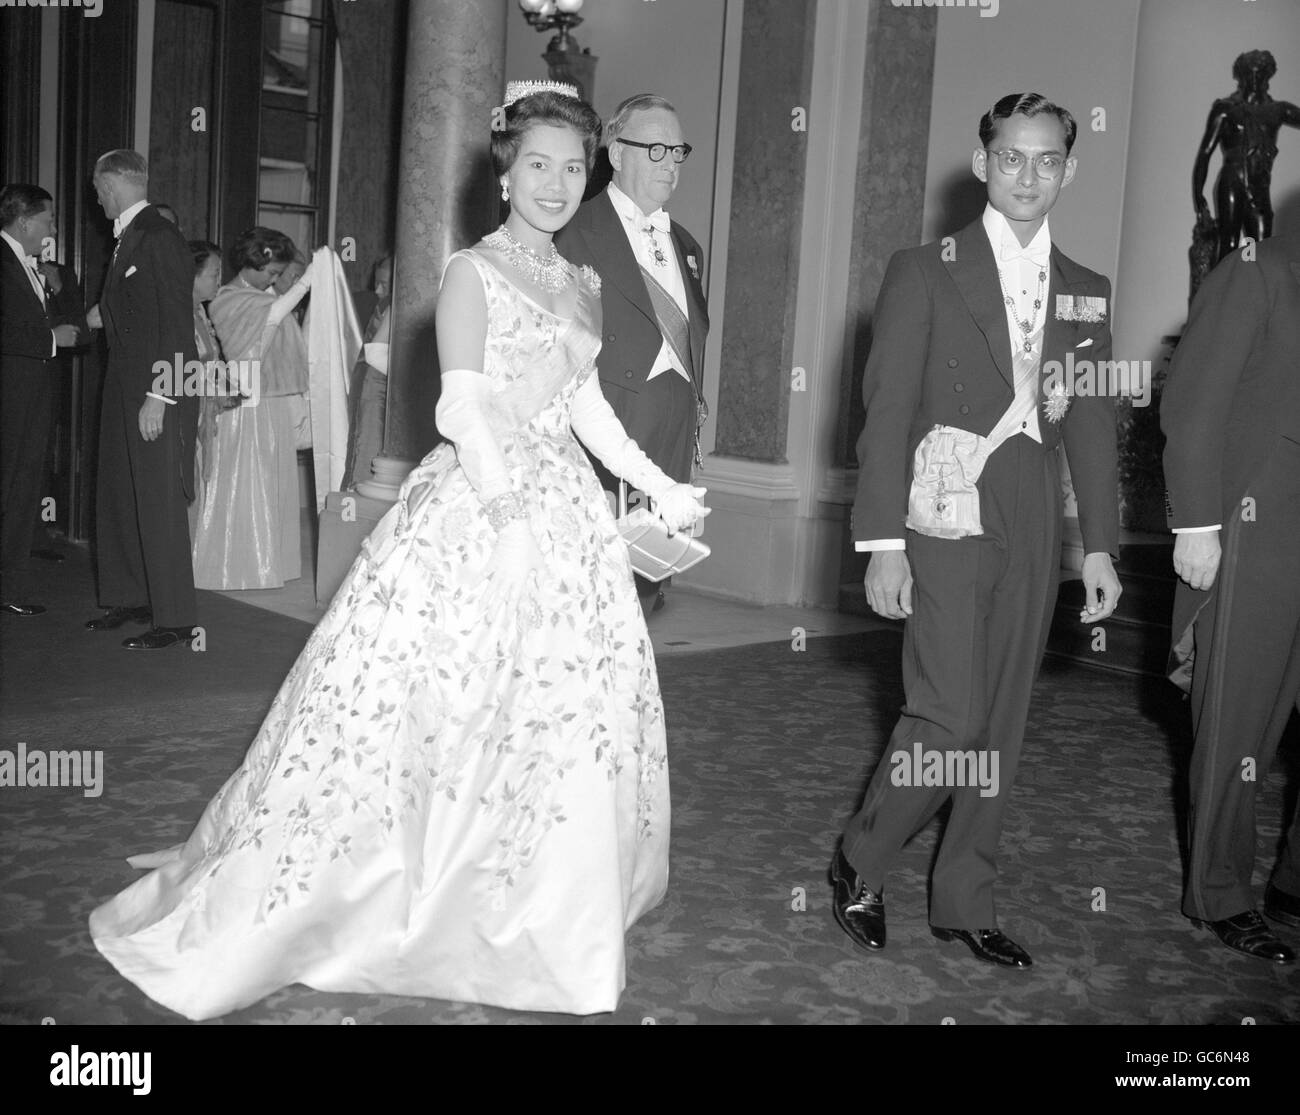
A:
[880,544]
[1197,530]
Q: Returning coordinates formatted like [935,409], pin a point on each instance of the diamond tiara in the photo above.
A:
[517,89]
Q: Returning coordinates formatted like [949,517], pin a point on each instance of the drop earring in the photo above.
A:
[505,190]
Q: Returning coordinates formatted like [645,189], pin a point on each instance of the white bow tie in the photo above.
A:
[1037,256]
[658,220]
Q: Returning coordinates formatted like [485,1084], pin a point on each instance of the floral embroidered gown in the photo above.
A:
[453,795]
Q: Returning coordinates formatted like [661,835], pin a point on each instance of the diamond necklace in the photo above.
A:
[551,272]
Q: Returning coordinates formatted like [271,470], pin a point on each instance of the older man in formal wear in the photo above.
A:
[148,427]
[30,336]
[655,315]
[1231,414]
[959,504]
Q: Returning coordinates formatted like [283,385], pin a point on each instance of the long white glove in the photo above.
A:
[595,422]
[283,306]
[462,417]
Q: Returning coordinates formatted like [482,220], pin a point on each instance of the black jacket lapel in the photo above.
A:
[18,275]
[615,261]
[974,271]
[697,317]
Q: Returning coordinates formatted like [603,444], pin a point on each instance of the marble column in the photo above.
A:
[766,150]
[455,76]
[766,219]
[893,145]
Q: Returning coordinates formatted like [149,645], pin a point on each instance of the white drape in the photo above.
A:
[333,342]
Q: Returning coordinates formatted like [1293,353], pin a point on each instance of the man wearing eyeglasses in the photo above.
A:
[651,363]
[959,504]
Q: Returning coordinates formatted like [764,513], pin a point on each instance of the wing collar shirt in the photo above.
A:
[127,216]
[1019,269]
[646,234]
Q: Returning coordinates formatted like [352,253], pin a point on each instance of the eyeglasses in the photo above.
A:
[658,150]
[1012,161]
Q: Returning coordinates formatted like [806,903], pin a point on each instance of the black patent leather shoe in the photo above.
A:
[991,945]
[11,609]
[1249,934]
[158,638]
[859,910]
[115,617]
[1280,906]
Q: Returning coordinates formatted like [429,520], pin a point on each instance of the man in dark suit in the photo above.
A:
[67,306]
[147,432]
[969,335]
[651,363]
[1231,413]
[30,335]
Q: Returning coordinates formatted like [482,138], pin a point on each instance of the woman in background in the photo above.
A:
[247,533]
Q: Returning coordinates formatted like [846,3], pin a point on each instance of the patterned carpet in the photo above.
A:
[769,749]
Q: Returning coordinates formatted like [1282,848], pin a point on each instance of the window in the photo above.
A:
[298,45]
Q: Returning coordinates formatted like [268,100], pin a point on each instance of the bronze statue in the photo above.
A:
[1244,126]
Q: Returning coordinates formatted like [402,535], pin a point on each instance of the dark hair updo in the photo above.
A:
[548,108]
[259,246]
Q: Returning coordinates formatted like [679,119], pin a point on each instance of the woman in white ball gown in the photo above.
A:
[461,789]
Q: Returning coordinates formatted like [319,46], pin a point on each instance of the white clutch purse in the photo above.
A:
[654,552]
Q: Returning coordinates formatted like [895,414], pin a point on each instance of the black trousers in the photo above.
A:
[971,650]
[142,525]
[25,415]
[1245,682]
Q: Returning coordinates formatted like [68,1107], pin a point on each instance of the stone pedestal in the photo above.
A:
[446,200]
[386,476]
[345,523]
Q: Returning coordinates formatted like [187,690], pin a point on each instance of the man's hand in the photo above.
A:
[50,270]
[1196,557]
[1101,588]
[151,418]
[93,318]
[65,336]
[889,584]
